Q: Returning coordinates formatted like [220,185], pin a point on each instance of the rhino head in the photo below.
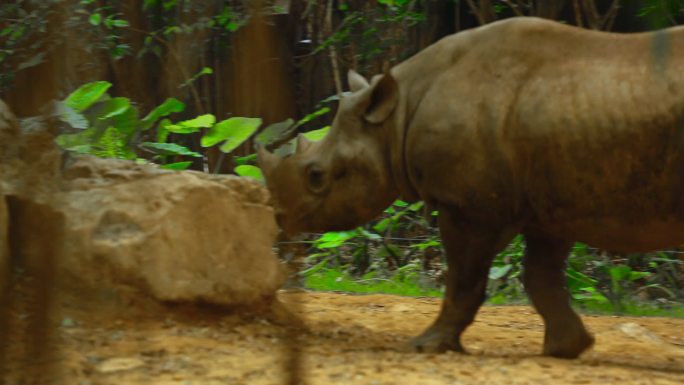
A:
[344,180]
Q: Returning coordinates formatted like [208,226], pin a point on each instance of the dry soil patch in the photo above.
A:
[347,339]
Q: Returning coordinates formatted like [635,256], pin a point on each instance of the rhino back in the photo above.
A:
[550,125]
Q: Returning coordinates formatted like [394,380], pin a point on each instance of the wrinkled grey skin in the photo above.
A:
[521,126]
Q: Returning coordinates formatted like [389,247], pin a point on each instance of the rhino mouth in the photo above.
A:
[317,219]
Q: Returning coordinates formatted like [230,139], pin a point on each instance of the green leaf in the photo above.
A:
[192,125]
[232,132]
[169,149]
[312,116]
[112,144]
[635,275]
[619,273]
[127,121]
[389,250]
[176,166]
[169,106]
[424,245]
[317,135]
[86,95]
[381,226]
[32,62]
[162,132]
[76,142]
[369,235]
[120,23]
[70,116]
[274,131]
[335,239]
[250,171]
[95,19]
[114,107]
[68,322]
[497,272]
[416,206]
[202,72]
[240,160]
[577,281]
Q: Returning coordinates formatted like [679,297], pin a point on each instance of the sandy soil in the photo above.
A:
[347,339]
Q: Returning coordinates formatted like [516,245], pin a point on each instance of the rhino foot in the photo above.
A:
[569,346]
[436,340]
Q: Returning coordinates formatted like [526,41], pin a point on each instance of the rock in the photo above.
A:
[184,236]
[639,333]
[29,160]
[178,236]
[120,364]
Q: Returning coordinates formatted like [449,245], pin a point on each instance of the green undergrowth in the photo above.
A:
[633,308]
[335,280]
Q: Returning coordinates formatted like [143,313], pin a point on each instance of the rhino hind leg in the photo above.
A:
[544,278]
[469,256]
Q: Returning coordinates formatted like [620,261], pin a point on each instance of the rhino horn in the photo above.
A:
[302,143]
[266,159]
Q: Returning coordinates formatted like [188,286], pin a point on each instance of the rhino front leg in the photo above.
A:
[469,255]
[544,278]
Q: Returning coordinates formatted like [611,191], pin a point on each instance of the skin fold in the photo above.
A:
[520,126]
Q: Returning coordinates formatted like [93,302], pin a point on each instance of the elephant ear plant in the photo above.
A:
[112,127]
[505,137]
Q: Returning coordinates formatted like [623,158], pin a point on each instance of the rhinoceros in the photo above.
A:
[523,126]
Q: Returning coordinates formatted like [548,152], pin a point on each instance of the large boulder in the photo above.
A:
[184,236]
[178,236]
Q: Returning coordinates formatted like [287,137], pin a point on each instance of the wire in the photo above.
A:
[419,239]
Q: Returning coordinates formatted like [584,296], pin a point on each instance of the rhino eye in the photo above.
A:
[316,177]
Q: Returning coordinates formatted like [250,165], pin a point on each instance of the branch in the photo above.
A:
[476,11]
[593,18]
[514,7]
[331,48]
[609,17]
[578,13]
[174,54]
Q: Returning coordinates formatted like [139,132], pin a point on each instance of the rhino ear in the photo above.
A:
[356,81]
[384,96]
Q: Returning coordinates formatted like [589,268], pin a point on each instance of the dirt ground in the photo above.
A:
[347,339]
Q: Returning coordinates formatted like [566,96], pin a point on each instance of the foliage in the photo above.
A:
[28,33]
[331,279]
[596,281]
[405,241]
[373,32]
[661,13]
[101,125]
[21,32]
